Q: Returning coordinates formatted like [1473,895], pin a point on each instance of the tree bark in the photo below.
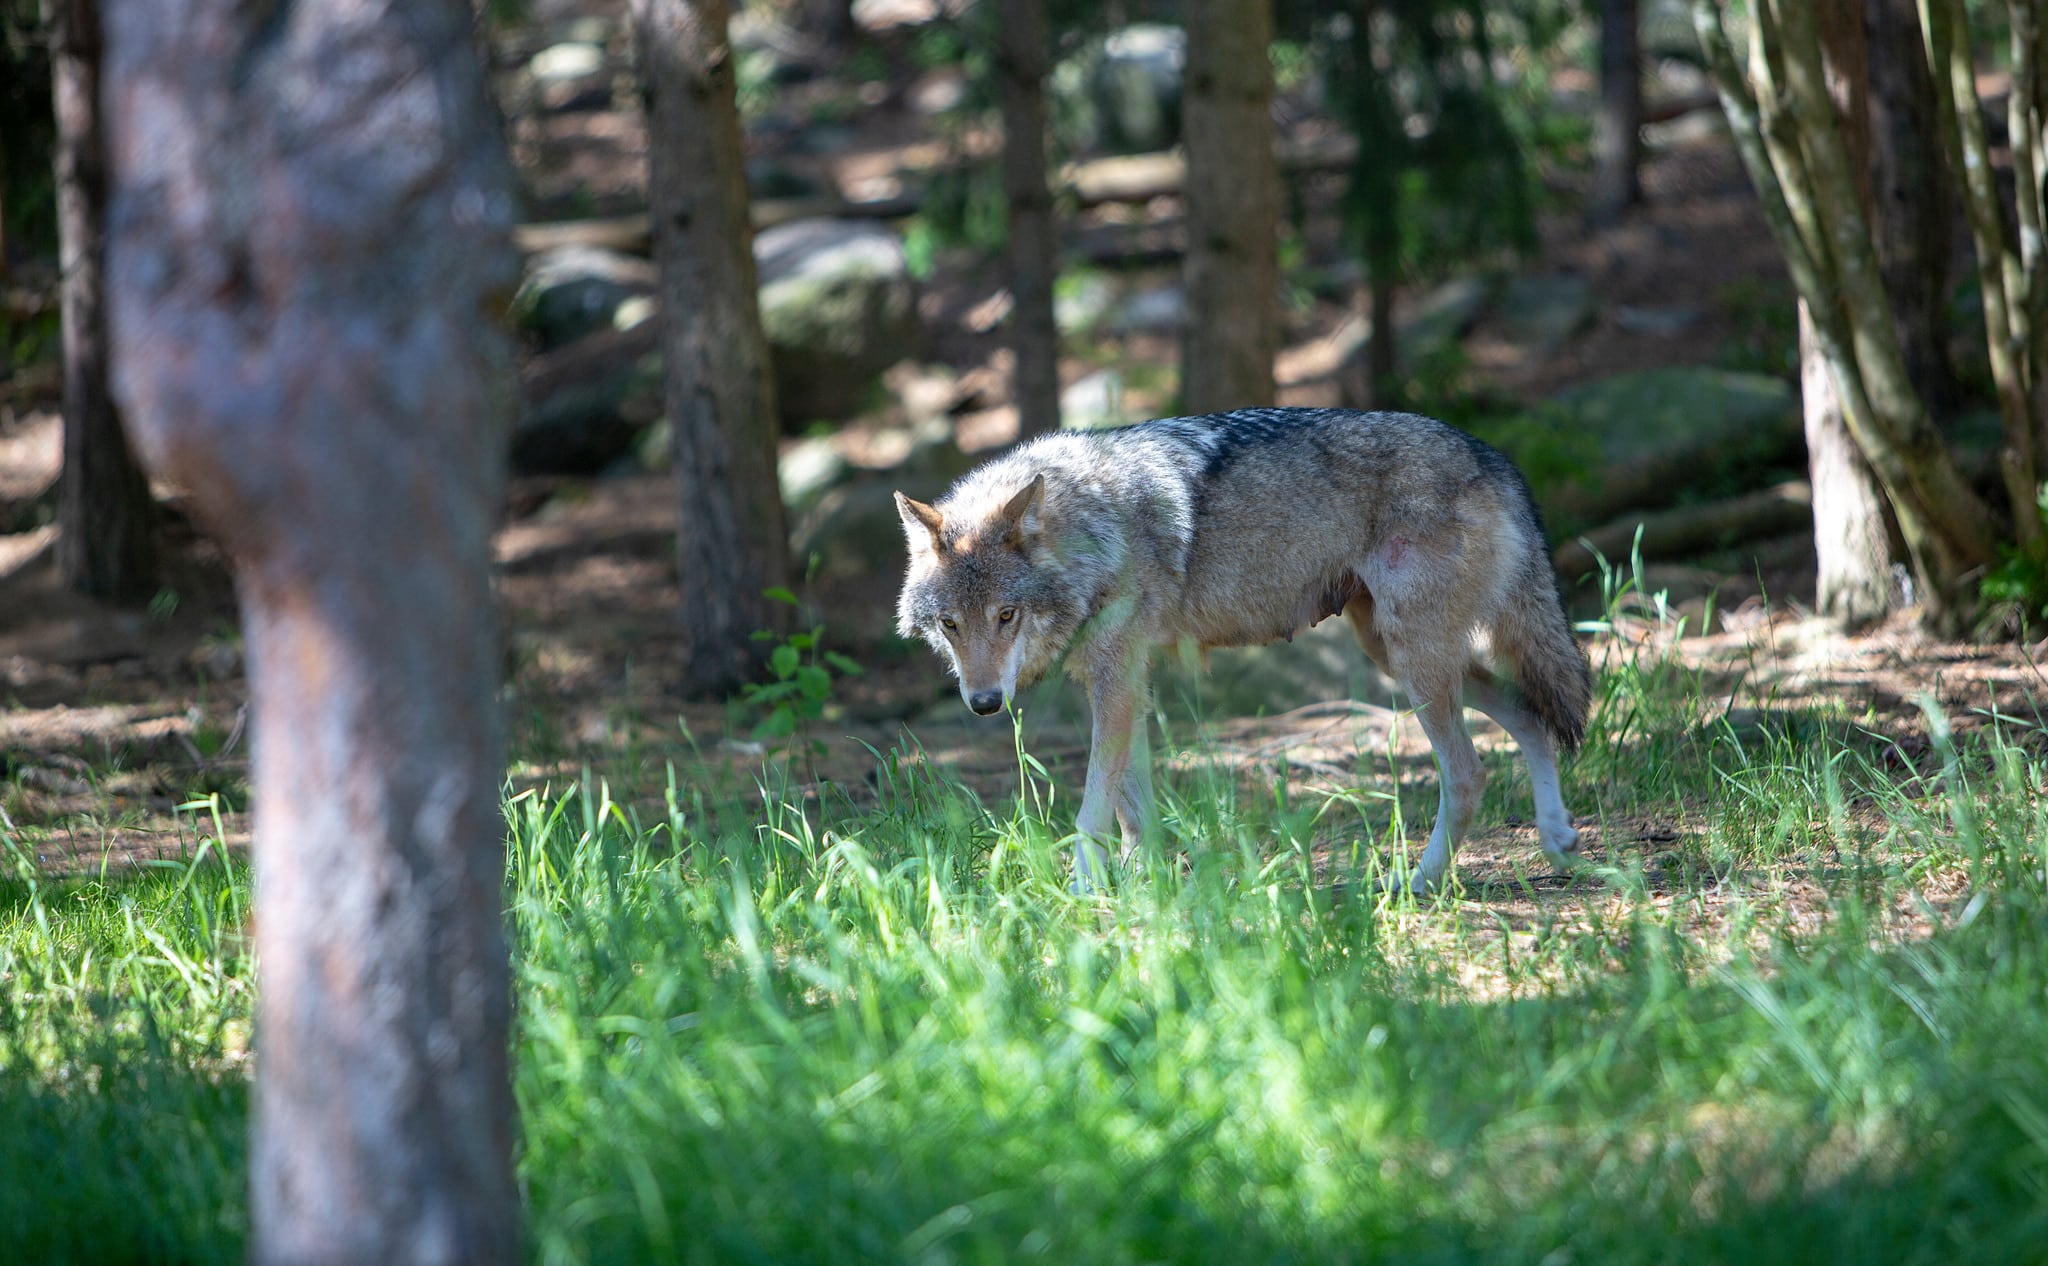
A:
[1913,210]
[1806,188]
[718,395]
[300,265]
[1852,542]
[106,542]
[1998,267]
[1233,270]
[1023,56]
[1617,123]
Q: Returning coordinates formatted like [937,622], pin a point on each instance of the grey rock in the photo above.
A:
[807,469]
[1643,439]
[1083,302]
[586,405]
[572,291]
[571,75]
[854,529]
[839,306]
[1661,322]
[1094,402]
[1159,310]
[1540,311]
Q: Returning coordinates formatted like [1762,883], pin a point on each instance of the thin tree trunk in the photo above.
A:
[1852,543]
[106,543]
[1374,203]
[720,400]
[2027,130]
[301,339]
[1023,55]
[1850,538]
[1998,270]
[1232,270]
[1913,210]
[1617,123]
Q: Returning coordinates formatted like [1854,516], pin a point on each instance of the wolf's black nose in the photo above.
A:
[986,703]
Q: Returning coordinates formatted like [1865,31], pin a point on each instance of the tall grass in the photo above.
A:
[889,1034]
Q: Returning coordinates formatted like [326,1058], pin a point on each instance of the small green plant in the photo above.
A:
[2016,591]
[804,672]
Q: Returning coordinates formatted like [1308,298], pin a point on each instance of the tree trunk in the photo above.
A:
[1022,58]
[1913,210]
[106,543]
[1617,123]
[1850,537]
[1808,190]
[719,398]
[1233,270]
[2001,287]
[300,266]
[1852,542]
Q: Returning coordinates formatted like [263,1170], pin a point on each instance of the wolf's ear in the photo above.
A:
[1019,518]
[921,523]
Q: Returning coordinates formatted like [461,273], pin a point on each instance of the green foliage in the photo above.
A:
[1443,172]
[2015,593]
[28,136]
[803,674]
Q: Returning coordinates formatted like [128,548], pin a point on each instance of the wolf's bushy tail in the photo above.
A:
[1555,677]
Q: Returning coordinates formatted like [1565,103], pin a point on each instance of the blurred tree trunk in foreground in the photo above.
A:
[720,400]
[106,544]
[1023,55]
[1233,208]
[302,268]
[1617,123]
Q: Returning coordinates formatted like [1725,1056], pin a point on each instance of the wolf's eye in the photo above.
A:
[1006,615]
[947,622]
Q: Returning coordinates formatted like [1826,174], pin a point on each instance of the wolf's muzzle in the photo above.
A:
[987,703]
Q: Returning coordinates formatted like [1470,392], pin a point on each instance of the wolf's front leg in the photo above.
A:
[1116,686]
[1136,811]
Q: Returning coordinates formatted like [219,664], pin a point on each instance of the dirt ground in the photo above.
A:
[115,718]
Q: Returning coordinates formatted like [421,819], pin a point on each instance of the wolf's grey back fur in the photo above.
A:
[1217,501]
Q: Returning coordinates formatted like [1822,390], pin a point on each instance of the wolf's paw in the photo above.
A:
[1416,883]
[1562,847]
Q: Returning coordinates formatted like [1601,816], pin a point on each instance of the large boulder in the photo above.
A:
[1542,311]
[571,291]
[1652,438]
[583,406]
[839,306]
[1122,92]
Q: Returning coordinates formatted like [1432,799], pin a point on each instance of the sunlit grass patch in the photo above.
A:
[783,1024]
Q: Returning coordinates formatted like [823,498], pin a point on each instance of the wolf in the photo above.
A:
[1094,549]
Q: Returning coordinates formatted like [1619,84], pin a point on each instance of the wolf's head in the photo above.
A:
[982,590]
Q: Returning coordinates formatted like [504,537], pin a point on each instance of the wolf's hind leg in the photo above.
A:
[1461,777]
[1553,821]
[1433,685]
